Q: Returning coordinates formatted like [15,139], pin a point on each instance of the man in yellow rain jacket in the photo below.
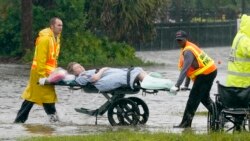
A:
[199,67]
[238,74]
[239,60]
[47,49]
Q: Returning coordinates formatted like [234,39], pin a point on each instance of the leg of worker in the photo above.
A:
[192,104]
[23,113]
[206,87]
[50,110]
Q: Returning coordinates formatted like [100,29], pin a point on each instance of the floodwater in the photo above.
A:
[165,110]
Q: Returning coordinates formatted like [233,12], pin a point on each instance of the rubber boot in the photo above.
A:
[186,120]
[23,113]
[53,118]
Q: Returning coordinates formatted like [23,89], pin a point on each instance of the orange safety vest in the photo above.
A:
[181,60]
[206,64]
[54,49]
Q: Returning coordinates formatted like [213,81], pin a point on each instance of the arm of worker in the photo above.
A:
[245,42]
[188,60]
[98,75]
[187,82]
[41,53]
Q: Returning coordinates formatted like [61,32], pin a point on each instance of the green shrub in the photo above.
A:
[91,51]
[77,44]
[10,31]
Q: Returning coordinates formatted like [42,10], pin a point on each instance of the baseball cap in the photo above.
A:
[180,35]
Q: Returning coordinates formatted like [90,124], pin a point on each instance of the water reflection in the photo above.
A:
[39,129]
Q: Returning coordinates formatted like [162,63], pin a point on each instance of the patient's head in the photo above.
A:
[75,68]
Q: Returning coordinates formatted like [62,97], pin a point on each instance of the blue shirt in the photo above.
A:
[110,79]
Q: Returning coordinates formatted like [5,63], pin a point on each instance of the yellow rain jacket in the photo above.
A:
[45,60]
[239,60]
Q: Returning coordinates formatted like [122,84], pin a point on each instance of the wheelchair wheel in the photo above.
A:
[246,126]
[143,109]
[123,112]
[248,123]
[212,124]
[222,121]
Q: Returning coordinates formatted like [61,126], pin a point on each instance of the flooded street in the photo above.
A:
[164,110]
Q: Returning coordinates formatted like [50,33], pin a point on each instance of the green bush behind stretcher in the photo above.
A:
[126,135]
[92,51]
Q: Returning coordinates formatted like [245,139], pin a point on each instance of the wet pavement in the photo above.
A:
[165,110]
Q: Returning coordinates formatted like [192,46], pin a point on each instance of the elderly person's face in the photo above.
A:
[77,68]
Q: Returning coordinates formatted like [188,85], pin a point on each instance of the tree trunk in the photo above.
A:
[26,25]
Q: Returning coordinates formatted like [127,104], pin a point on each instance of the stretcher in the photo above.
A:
[120,110]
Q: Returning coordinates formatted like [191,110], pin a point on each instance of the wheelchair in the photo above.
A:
[231,111]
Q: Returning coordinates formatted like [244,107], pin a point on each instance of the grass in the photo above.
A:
[126,135]
[198,113]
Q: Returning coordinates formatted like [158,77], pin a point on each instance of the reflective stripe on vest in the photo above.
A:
[233,51]
[239,73]
[206,64]
[51,63]
[233,58]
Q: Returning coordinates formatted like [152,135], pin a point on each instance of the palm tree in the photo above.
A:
[125,20]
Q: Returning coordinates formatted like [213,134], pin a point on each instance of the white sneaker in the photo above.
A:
[53,118]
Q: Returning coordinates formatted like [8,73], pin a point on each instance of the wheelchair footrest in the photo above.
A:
[87,111]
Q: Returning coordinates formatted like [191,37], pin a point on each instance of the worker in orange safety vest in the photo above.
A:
[196,65]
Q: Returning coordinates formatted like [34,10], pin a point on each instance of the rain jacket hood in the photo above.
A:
[244,25]
[46,32]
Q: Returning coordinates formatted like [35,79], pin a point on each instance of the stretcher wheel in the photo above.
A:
[143,109]
[123,112]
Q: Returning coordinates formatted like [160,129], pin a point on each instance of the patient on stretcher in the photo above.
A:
[106,79]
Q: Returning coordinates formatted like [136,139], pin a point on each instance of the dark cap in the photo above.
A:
[180,35]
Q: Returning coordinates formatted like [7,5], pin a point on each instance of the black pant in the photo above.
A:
[200,92]
[23,113]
